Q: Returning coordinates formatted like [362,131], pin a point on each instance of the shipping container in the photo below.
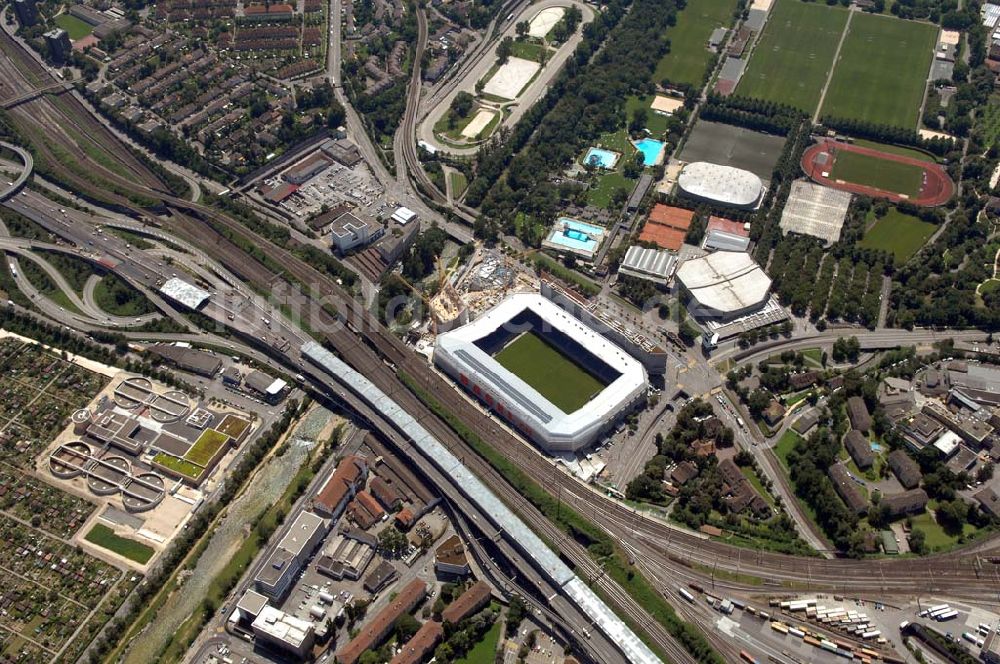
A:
[871,634]
[796,632]
[813,641]
[779,627]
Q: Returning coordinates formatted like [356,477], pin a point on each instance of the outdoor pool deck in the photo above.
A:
[652,151]
[601,158]
[575,237]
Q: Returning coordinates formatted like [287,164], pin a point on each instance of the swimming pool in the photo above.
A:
[575,236]
[601,158]
[652,151]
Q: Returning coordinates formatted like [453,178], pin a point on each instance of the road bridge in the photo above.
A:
[14,187]
[56,88]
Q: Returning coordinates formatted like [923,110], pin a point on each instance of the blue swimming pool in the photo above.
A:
[652,151]
[575,236]
[601,158]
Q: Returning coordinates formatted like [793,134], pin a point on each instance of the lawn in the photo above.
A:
[118,298]
[989,286]
[177,465]
[791,61]
[882,71]
[785,445]
[936,538]
[458,183]
[814,356]
[484,651]
[599,195]
[552,374]
[76,28]
[689,56]
[529,51]
[988,121]
[106,538]
[896,149]
[206,446]
[755,482]
[883,174]
[899,233]
[655,123]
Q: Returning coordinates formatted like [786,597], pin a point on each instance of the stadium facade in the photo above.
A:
[724,285]
[467,355]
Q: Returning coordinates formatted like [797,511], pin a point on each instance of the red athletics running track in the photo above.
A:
[819,158]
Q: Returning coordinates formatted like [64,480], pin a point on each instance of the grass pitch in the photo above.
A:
[880,173]
[790,63]
[108,539]
[552,374]
[688,57]
[76,28]
[882,71]
[899,233]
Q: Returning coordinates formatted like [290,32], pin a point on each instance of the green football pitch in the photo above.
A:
[902,234]
[789,65]
[552,374]
[882,71]
[688,58]
[880,173]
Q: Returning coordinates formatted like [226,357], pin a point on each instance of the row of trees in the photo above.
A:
[757,114]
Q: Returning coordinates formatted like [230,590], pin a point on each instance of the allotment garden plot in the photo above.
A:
[790,63]
[882,71]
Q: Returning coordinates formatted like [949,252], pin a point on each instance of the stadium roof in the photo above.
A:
[651,264]
[184,293]
[550,423]
[726,281]
[721,184]
[530,544]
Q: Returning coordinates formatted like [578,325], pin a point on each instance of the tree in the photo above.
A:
[917,540]
[515,614]
[505,50]
[405,627]
[392,541]
[461,105]
[521,29]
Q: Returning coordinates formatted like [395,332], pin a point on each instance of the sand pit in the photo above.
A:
[478,124]
[544,21]
[509,80]
[666,105]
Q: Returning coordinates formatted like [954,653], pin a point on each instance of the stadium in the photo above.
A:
[721,185]
[557,381]
[724,285]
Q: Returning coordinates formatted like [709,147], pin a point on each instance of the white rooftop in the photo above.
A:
[301,533]
[282,626]
[947,443]
[276,387]
[815,210]
[724,184]
[648,263]
[726,281]
[184,293]
[404,215]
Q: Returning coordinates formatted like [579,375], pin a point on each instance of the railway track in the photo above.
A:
[960,574]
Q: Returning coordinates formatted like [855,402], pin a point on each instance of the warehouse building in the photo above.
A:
[187,359]
[267,387]
[343,484]
[721,185]
[724,285]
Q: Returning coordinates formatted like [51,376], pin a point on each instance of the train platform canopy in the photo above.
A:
[184,293]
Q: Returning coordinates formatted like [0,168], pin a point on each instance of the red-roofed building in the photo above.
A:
[343,484]
[420,645]
[726,226]
[405,518]
[467,603]
[377,629]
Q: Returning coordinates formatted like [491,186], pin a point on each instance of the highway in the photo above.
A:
[28,166]
[380,356]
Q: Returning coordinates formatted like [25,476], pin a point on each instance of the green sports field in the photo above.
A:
[790,63]
[108,539]
[880,173]
[882,71]
[552,374]
[689,55]
[76,28]
[899,233]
